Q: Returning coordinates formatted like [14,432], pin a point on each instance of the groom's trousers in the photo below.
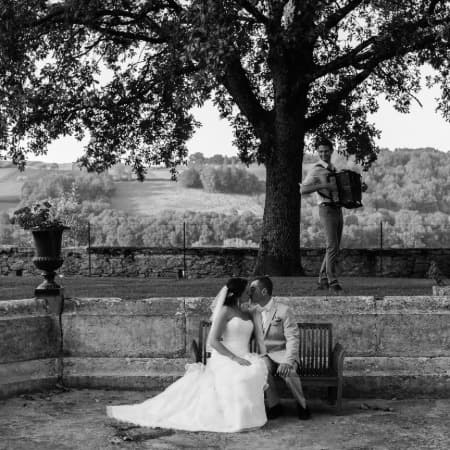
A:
[292,381]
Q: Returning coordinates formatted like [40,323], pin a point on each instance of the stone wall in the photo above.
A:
[30,345]
[395,346]
[220,262]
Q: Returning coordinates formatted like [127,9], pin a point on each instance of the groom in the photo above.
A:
[281,339]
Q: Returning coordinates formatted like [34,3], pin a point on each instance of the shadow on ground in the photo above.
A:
[76,419]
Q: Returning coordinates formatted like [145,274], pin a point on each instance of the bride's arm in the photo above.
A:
[217,329]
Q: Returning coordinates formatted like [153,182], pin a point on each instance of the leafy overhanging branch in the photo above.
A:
[384,48]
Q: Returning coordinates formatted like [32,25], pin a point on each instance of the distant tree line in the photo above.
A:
[198,158]
[226,179]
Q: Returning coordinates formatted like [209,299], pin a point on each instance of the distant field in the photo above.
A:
[153,196]
[160,193]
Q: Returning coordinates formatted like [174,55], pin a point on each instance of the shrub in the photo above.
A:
[232,180]
[190,178]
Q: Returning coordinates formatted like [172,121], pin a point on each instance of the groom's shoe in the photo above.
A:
[274,412]
[303,413]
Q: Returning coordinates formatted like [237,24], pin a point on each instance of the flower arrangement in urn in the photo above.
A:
[47,228]
[40,216]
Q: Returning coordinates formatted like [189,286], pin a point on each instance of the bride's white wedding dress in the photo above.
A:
[221,396]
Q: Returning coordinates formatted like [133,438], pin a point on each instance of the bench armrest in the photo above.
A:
[338,359]
[195,351]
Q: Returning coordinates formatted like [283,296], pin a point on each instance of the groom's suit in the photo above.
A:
[281,341]
[281,335]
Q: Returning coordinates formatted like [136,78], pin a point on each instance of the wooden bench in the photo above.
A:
[321,364]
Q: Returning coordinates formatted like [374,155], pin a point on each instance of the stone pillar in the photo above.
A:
[55,303]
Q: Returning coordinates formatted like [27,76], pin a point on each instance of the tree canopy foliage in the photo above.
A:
[164,57]
[280,71]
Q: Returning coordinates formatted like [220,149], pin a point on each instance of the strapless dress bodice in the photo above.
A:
[236,336]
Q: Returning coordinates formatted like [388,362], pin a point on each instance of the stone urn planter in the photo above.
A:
[47,227]
[48,258]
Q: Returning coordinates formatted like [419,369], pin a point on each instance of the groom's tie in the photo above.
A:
[264,315]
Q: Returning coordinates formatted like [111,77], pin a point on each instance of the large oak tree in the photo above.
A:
[280,71]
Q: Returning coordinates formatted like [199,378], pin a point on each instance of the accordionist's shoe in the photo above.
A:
[322,285]
[335,287]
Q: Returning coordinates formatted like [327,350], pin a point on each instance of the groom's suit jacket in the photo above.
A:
[281,335]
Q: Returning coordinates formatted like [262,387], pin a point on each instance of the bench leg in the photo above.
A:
[339,395]
[332,394]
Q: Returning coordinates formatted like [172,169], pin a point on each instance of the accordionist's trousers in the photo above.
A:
[332,223]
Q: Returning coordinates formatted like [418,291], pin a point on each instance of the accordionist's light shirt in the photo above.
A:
[318,174]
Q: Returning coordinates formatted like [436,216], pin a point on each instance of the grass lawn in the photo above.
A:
[13,287]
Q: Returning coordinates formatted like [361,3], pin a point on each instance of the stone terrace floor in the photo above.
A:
[75,419]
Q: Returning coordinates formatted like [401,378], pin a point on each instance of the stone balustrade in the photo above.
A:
[395,346]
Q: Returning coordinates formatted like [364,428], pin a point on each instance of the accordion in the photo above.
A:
[349,192]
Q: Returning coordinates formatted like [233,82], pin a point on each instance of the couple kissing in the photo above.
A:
[235,390]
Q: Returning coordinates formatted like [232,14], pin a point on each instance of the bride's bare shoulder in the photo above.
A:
[228,312]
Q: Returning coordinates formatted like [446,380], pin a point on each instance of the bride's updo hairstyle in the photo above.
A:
[236,287]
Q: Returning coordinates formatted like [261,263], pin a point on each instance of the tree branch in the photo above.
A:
[432,6]
[97,22]
[354,56]
[56,12]
[394,81]
[390,39]
[236,82]
[332,20]
[334,99]
[124,34]
[254,11]
[381,53]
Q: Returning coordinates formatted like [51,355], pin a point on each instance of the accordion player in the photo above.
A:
[349,189]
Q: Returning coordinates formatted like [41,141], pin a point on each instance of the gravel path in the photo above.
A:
[75,419]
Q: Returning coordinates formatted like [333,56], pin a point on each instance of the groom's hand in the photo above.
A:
[284,370]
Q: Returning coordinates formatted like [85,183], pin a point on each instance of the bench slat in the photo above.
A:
[315,349]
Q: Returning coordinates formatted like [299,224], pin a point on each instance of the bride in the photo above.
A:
[226,394]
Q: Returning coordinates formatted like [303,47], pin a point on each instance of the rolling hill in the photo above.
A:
[150,197]
[12,180]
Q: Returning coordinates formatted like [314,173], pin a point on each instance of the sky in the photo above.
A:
[422,127]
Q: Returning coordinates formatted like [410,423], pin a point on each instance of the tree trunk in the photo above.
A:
[279,250]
